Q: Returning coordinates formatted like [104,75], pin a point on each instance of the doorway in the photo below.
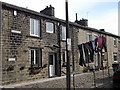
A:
[52,64]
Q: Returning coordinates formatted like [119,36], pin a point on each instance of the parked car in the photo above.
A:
[115,66]
[116,76]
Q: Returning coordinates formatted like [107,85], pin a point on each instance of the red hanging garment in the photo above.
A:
[100,42]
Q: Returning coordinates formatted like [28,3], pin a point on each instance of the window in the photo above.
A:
[104,56]
[64,58]
[119,41]
[36,57]
[34,27]
[95,36]
[49,27]
[63,33]
[15,13]
[89,37]
[115,42]
[115,56]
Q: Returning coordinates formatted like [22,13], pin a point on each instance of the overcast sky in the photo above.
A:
[101,14]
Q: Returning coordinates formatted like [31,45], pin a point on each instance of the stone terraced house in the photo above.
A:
[33,44]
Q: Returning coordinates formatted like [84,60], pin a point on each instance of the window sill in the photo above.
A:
[115,46]
[64,65]
[34,37]
[63,40]
[49,32]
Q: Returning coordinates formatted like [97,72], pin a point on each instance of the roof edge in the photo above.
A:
[54,18]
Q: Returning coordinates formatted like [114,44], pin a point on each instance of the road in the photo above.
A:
[110,85]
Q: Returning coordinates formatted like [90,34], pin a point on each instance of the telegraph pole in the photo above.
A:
[68,76]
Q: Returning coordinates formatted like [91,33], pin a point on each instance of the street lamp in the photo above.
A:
[68,76]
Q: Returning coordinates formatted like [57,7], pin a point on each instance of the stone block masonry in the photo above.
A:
[18,44]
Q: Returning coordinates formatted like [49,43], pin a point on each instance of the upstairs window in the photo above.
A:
[115,57]
[95,36]
[115,42]
[34,27]
[89,37]
[119,41]
[63,33]
[15,13]
[49,27]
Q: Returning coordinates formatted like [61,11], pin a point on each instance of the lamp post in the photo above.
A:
[68,76]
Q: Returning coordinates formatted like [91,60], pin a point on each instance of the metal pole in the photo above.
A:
[68,76]
[102,66]
[94,76]
[108,65]
[73,64]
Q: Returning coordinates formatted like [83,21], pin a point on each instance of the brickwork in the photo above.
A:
[110,43]
[17,42]
[0,45]
[16,46]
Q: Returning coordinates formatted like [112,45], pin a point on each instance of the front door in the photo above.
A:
[52,66]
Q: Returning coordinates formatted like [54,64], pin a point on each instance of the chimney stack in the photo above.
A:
[103,30]
[49,10]
[83,22]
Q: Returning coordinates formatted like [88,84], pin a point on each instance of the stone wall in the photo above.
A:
[111,49]
[109,43]
[17,46]
[0,45]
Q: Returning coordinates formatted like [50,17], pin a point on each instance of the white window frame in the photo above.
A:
[34,56]
[88,36]
[115,54]
[115,40]
[34,27]
[49,27]
[65,57]
[15,13]
[63,33]
[34,61]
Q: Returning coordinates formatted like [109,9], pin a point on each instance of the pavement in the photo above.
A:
[81,81]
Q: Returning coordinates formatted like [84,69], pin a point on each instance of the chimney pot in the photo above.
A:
[76,16]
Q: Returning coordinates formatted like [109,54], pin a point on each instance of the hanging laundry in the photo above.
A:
[86,50]
[104,43]
[100,44]
[93,45]
[91,51]
[96,50]
[81,60]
